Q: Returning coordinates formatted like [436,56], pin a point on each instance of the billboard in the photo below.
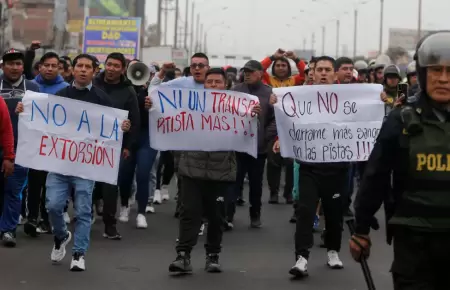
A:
[104,35]
[405,38]
[108,7]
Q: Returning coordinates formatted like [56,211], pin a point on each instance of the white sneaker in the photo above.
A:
[21,220]
[141,221]
[333,260]
[59,248]
[78,263]
[132,199]
[165,193]
[202,230]
[300,268]
[149,208]
[157,197]
[124,214]
[66,218]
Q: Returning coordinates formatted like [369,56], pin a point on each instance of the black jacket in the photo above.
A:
[267,127]
[385,177]
[123,97]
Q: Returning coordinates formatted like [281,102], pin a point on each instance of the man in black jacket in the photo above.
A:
[123,96]
[253,72]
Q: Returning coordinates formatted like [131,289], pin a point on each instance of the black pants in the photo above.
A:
[2,192]
[274,176]
[255,169]
[165,168]
[328,188]
[201,198]
[179,199]
[109,193]
[36,195]
[421,260]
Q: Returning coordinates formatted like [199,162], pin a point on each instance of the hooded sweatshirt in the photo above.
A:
[18,90]
[50,86]
[123,96]
[275,82]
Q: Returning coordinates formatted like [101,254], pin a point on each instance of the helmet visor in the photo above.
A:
[435,50]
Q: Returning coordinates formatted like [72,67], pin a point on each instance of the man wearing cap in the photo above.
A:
[12,88]
[253,85]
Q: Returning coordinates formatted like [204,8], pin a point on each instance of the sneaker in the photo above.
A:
[333,260]
[157,197]
[111,233]
[141,221]
[9,239]
[165,193]
[202,230]
[240,201]
[212,263]
[182,264]
[99,207]
[22,220]
[124,214]
[66,218]
[30,228]
[316,223]
[78,264]
[273,199]
[59,248]
[228,226]
[255,222]
[150,208]
[300,268]
[44,228]
[93,220]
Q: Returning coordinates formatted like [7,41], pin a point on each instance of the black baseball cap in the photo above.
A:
[13,54]
[253,65]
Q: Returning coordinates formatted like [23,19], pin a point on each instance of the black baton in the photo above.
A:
[363,262]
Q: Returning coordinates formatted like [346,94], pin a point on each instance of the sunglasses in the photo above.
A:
[199,65]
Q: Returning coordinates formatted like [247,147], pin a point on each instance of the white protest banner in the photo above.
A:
[203,120]
[70,137]
[328,123]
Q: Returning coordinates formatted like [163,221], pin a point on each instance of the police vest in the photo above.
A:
[427,195]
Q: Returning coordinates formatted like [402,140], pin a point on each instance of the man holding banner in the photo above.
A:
[78,144]
[325,127]
[212,124]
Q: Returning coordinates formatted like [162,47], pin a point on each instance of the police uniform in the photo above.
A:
[411,163]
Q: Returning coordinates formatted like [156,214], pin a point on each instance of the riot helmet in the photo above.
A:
[411,69]
[432,50]
[392,70]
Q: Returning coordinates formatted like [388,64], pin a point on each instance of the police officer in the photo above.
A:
[414,148]
[411,77]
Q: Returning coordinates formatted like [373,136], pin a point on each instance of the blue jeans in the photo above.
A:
[142,161]
[58,192]
[12,198]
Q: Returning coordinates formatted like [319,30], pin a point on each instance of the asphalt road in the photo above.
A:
[251,259]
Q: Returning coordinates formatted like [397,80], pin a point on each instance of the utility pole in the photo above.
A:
[338,24]
[175,36]
[355,33]
[323,40]
[59,24]
[380,49]
[159,23]
[313,39]
[200,37]
[186,22]
[205,39]
[191,46]
[197,32]
[166,12]
[419,22]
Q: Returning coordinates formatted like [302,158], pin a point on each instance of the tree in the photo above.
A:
[396,53]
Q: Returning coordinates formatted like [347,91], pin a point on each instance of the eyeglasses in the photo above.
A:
[199,65]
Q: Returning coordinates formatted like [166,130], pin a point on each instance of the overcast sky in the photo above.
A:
[258,27]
